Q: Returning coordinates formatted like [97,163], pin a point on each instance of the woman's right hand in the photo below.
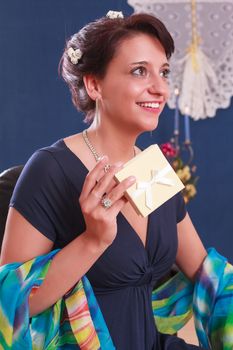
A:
[101,224]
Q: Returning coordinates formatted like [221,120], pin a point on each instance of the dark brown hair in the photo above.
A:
[98,42]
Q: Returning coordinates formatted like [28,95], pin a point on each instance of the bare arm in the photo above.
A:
[23,242]
[191,251]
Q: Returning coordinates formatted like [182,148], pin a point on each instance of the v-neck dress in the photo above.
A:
[123,277]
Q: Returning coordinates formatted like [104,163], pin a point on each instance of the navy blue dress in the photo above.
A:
[123,277]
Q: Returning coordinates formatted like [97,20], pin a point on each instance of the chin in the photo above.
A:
[147,128]
[152,125]
[145,125]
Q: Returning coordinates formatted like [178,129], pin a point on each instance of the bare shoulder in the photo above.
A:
[73,140]
[191,251]
[22,241]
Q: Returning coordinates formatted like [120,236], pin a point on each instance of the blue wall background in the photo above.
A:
[36,109]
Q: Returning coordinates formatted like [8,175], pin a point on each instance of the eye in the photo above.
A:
[139,71]
[165,73]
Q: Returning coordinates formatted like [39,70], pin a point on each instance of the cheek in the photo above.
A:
[125,93]
[113,90]
[134,90]
[129,87]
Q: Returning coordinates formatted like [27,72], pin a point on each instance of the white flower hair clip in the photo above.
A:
[114,14]
[74,55]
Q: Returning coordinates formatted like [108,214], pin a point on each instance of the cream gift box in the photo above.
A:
[156,180]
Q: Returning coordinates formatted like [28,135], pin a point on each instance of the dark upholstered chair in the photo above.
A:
[8,179]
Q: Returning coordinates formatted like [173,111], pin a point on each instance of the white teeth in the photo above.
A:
[149,104]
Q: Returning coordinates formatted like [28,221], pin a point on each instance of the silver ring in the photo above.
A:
[107,167]
[106,202]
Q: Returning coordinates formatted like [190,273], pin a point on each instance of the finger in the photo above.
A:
[119,190]
[93,176]
[117,194]
[117,207]
[101,187]
[111,185]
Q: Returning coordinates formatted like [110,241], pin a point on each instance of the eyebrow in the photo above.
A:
[166,64]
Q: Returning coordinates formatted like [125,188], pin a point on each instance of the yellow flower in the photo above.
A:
[191,190]
[184,174]
[175,164]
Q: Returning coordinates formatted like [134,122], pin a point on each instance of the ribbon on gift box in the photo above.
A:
[157,177]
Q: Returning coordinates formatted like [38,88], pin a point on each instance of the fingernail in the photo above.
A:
[132,179]
[103,158]
[118,164]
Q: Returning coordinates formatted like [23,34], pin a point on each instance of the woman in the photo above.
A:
[117,70]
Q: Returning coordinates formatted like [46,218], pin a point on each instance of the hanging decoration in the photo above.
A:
[180,155]
[202,66]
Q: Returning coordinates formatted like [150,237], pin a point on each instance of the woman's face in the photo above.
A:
[135,88]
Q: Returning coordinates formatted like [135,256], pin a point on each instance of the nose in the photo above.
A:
[158,86]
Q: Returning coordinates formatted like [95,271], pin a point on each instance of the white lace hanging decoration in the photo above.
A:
[198,75]
[202,66]
[196,84]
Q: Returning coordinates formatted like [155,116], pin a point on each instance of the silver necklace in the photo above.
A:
[93,150]
[90,146]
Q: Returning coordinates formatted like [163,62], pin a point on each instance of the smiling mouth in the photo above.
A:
[152,105]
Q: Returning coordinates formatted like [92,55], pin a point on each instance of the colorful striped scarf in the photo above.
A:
[210,300]
[76,319]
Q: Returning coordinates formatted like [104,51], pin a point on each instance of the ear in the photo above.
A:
[92,86]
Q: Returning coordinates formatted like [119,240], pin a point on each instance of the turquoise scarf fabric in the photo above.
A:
[210,300]
[76,319]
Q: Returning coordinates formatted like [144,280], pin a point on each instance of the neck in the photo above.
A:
[117,144]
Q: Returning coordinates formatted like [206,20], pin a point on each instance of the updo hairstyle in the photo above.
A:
[98,42]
